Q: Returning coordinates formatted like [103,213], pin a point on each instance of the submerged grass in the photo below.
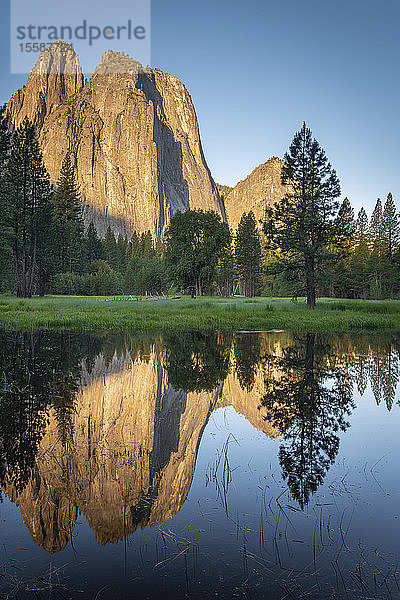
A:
[89,314]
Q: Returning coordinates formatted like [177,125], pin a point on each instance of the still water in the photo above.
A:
[247,465]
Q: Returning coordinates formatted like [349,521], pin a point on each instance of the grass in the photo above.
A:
[91,314]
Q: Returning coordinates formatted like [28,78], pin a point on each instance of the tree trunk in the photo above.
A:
[310,281]
[32,269]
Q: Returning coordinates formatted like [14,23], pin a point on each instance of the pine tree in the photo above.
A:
[146,245]
[390,243]
[360,256]
[346,228]
[133,246]
[29,194]
[94,245]
[67,203]
[342,248]
[248,255]
[110,249]
[301,226]
[4,138]
[226,272]
[376,227]
[5,230]
[122,244]
[376,261]
[67,197]
[362,226]
[390,227]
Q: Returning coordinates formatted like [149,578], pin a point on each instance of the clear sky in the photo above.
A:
[257,69]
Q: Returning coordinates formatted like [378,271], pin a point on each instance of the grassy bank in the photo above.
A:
[90,314]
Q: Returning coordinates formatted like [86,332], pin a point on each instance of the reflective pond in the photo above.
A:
[190,465]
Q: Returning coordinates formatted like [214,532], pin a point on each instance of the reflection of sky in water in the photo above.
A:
[238,531]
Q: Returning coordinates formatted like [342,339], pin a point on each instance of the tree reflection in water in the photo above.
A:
[308,401]
[197,361]
[38,369]
[247,349]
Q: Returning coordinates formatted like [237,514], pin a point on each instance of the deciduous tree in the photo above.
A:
[195,241]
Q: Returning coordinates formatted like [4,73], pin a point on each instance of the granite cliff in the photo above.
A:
[262,188]
[133,133]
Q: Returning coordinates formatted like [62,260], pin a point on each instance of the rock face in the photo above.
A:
[262,188]
[133,133]
[56,76]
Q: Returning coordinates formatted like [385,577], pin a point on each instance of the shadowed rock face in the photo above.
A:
[134,135]
[128,456]
[262,188]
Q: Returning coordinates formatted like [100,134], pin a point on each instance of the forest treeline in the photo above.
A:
[308,244]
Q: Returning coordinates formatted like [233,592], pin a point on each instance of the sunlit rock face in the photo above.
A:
[133,133]
[262,188]
[56,76]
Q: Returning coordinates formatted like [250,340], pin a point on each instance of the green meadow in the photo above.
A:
[207,313]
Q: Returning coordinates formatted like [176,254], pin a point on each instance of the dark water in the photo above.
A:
[231,466]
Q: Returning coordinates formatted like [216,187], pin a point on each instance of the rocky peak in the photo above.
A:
[58,59]
[56,76]
[118,63]
[262,188]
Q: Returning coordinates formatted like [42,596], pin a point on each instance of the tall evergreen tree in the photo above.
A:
[29,196]
[390,242]
[377,259]
[93,244]
[133,246]
[121,248]
[345,228]
[226,272]
[4,137]
[362,225]
[248,255]
[67,203]
[390,227]
[5,230]
[376,228]
[146,245]
[302,224]
[341,250]
[110,248]
[360,256]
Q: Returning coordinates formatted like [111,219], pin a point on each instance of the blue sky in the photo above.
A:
[256,70]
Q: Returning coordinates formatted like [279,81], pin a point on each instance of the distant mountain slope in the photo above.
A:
[260,189]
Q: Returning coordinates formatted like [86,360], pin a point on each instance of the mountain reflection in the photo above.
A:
[110,426]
